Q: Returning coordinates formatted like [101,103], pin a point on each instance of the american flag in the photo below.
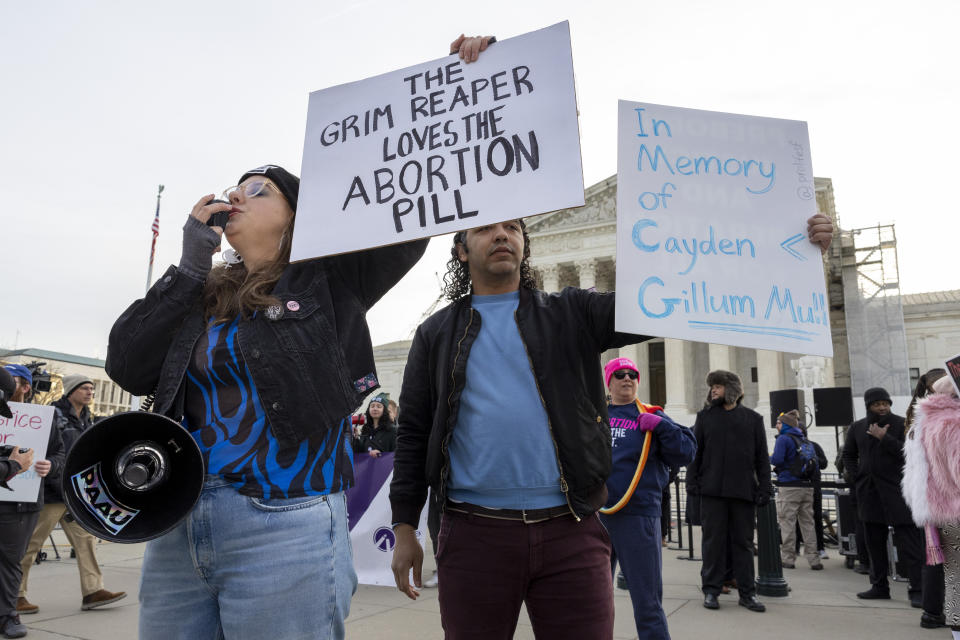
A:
[155,227]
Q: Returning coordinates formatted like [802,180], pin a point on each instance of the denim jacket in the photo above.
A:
[310,357]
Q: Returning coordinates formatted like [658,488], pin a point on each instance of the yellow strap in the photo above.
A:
[639,472]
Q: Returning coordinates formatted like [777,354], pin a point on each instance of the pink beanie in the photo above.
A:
[615,365]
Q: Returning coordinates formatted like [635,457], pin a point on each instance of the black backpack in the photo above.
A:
[804,465]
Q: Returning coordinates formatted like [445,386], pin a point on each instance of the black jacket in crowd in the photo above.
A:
[311,361]
[564,334]
[732,459]
[70,426]
[383,439]
[877,469]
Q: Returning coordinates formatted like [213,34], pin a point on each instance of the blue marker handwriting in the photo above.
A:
[700,300]
[697,165]
[762,175]
[645,238]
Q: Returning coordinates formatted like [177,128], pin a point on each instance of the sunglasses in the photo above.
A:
[620,375]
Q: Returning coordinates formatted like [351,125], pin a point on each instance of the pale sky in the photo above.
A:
[103,101]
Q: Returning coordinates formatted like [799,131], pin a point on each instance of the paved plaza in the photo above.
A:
[822,604]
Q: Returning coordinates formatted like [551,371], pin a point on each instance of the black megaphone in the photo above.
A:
[132,477]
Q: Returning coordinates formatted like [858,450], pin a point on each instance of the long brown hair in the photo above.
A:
[232,289]
[923,388]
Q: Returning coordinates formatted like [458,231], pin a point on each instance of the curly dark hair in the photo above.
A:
[456,281]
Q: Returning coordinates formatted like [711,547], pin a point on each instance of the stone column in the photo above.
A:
[676,363]
[587,270]
[642,358]
[551,277]
[769,378]
[721,357]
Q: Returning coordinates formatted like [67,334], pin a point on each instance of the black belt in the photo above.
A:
[528,516]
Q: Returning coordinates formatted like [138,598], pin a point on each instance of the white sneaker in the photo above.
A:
[432,582]
[823,554]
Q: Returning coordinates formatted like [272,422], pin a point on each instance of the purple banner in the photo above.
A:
[369,474]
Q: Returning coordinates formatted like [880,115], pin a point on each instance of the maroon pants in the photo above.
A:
[560,568]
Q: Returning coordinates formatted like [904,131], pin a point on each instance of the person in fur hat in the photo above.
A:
[931,487]
[731,474]
[873,455]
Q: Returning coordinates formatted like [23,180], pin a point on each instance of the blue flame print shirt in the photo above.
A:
[224,415]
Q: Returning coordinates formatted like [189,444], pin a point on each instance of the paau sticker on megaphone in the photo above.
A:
[132,477]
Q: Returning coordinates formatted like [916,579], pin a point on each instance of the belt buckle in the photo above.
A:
[523,513]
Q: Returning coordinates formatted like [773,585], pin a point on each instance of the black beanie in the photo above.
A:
[875,393]
[288,183]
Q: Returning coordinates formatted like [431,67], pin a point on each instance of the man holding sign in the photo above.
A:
[505,420]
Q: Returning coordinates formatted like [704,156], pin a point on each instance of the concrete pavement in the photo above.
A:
[822,604]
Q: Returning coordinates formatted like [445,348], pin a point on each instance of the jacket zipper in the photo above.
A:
[564,487]
[453,386]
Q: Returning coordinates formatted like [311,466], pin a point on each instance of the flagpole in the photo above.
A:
[155,229]
[154,232]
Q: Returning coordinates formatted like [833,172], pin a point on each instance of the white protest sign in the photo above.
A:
[440,147]
[711,230]
[28,428]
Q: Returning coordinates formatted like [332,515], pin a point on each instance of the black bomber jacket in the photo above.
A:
[310,357]
[564,334]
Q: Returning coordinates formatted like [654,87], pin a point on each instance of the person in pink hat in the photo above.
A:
[635,527]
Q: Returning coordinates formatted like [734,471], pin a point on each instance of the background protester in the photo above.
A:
[931,576]
[265,361]
[731,474]
[18,519]
[635,529]
[931,485]
[379,433]
[72,417]
[795,494]
[822,463]
[23,380]
[873,455]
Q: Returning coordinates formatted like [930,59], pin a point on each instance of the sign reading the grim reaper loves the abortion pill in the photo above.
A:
[711,230]
[440,147]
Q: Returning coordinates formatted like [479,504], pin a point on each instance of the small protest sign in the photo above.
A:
[29,428]
[711,230]
[440,147]
[953,370]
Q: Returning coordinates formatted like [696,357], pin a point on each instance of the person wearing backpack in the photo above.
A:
[794,460]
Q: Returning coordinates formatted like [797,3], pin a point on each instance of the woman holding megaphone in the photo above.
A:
[262,361]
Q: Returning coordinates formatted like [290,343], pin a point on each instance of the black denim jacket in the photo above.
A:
[564,334]
[311,357]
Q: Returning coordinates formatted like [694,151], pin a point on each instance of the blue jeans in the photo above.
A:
[240,567]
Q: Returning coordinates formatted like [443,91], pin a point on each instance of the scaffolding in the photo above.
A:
[876,338]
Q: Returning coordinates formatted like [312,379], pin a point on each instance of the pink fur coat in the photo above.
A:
[931,476]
